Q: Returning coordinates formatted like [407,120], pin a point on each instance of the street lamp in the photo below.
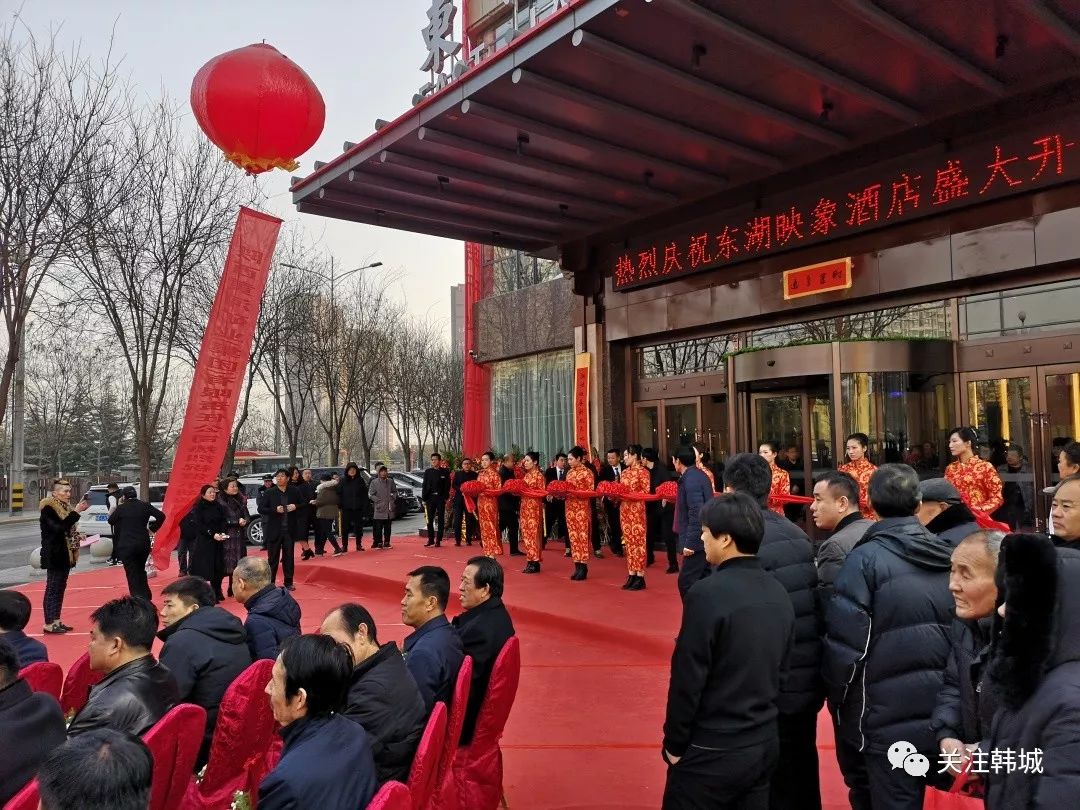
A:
[332,278]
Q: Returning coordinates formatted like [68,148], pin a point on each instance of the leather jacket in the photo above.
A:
[131,698]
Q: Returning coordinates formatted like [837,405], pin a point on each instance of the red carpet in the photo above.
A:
[585,730]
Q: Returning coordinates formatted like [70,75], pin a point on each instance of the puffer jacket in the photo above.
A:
[887,636]
[273,616]
[787,554]
[327,501]
[965,708]
[954,524]
[56,554]
[382,492]
[130,698]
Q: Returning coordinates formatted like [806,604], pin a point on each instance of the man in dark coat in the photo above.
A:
[434,492]
[484,628]
[133,522]
[612,470]
[14,616]
[31,725]
[836,509]
[508,508]
[460,514]
[205,648]
[555,508]
[272,614]
[355,503]
[887,644]
[278,506]
[136,691]
[58,554]
[383,697]
[720,727]
[305,509]
[326,762]
[659,516]
[787,554]
[943,512]
[695,490]
[433,651]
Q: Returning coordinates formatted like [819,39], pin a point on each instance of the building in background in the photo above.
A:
[457,319]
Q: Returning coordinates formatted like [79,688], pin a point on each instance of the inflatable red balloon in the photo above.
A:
[258,107]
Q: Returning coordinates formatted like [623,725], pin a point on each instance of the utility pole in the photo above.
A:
[18,427]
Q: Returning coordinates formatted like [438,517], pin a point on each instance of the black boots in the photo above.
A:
[581,571]
[629,581]
[634,583]
[531,568]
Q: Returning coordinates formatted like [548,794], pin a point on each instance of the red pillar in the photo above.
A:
[476,431]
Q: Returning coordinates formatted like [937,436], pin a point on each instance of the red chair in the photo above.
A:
[244,733]
[446,797]
[391,796]
[477,768]
[174,744]
[425,766]
[25,799]
[44,676]
[77,685]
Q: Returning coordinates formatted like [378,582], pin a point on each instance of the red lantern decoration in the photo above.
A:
[259,107]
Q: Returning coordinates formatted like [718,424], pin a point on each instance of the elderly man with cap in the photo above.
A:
[943,512]
[132,522]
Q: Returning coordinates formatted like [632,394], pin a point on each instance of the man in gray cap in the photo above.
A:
[132,522]
[943,512]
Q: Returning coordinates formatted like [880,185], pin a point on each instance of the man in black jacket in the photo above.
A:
[508,507]
[887,644]
[434,492]
[273,616]
[205,648]
[460,514]
[136,691]
[278,506]
[484,628]
[383,697]
[659,517]
[555,508]
[31,725]
[787,554]
[943,512]
[612,471]
[720,729]
[133,521]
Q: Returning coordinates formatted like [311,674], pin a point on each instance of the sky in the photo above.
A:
[364,56]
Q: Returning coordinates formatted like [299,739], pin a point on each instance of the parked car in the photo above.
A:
[95,520]
[408,482]
[406,502]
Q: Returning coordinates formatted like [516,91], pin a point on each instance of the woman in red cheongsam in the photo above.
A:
[700,454]
[531,513]
[781,481]
[579,513]
[632,518]
[975,479]
[487,508]
[860,468]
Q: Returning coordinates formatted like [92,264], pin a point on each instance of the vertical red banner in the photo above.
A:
[219,372]
[476,428]
[582,363]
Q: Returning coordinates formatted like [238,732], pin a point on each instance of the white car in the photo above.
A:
[95,520]
[408,481]
[251,485]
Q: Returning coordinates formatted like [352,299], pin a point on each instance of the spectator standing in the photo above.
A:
[326,762]
[382,492]
[113,497]
[383,697]
[720,727]
[305,510]
[555,508]
[1017,490]
[205,648]
[508,506]
[103,769]
[612,471]
[234,504]
[484,628]
[943,512]
[327,511]
[133,522]
[659,514]
[278,506]
[137,690]
[353,492]
[462,519]
[14,616]
[59,549]
[837,508]
[695,491]
[205,525]
[433,652]
[31,724]
[272,614]
[434,492]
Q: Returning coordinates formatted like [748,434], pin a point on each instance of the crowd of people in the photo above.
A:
[352,709]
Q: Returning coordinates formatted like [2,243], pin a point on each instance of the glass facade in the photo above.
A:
[532,403]
[1026,309]
[514,270]
[917,322]
[699,356]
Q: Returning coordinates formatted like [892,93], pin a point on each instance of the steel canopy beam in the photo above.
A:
[514,160]
[581,140]
[522,192]
[375,205]
[900,31]
[1053,23]
[705,18]
[612,107]
[624,57]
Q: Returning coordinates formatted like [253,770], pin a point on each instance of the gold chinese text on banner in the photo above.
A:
[219,373]
[581,399]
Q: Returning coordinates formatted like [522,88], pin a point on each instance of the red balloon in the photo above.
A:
[259,107]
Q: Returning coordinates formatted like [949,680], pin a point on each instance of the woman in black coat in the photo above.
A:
[235,505]
[205,529]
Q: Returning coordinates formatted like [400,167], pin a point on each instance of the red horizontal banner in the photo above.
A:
[817,278]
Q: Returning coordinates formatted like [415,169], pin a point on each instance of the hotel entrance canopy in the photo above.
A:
[617,117]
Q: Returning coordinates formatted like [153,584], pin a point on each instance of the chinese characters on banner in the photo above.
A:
[817,278]
[897,191]
[582,363]
[219,373]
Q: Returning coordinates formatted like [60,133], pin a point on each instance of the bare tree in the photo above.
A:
[403,383]
[56,111]
[177,202]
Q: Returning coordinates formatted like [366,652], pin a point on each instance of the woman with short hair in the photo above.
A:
[59,549]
